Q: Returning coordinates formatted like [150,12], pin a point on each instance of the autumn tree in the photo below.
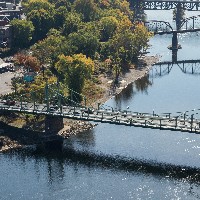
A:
[29,62]
[74,70]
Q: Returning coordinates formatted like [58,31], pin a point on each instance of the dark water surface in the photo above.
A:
[121,162]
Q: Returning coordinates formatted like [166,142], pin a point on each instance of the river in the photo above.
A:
[121,162]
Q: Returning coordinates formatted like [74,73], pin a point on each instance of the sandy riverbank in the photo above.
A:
[135,73]
[72,127]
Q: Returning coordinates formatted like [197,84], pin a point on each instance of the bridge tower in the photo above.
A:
[53,124]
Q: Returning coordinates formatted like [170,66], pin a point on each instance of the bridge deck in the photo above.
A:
[164,121]
[165,4]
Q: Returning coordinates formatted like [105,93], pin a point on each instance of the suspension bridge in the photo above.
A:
[68,108]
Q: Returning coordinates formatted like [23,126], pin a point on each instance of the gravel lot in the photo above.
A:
[5,82]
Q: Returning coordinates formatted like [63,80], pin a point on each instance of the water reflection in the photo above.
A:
[141,85]
[54,164]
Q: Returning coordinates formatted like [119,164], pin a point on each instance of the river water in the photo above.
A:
[121,162]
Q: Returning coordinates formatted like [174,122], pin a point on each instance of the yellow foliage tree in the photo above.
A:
[73,70]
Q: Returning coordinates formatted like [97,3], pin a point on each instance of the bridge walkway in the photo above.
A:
[183,122]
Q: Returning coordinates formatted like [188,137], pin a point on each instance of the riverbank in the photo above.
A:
[136,72]
[19,137]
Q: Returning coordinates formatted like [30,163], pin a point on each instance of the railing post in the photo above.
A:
[59,103]
[47,96]
[20,102]
[98,106]
[85,101]
[176,122]
[59,97]
[33,95]
[184,116]
[131,121]
[193,22]
[71,97]
[192,120]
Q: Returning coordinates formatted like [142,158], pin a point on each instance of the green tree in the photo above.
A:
[60,16]
[128,44]
[48,50]
[108,25]
[71,23]
[43,21]
[22,32]
[76,69]
[37,5]
[88,9]
[86,40]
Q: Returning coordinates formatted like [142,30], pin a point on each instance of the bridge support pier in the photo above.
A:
[175,46]
[53,124]
[174,41]
[179,16]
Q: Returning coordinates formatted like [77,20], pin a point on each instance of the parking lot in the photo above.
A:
[5,82]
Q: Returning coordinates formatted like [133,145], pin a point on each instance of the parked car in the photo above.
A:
[9,102]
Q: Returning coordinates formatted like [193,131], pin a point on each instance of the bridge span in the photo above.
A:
[181,122]
[165,4]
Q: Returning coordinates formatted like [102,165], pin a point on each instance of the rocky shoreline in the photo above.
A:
[12,137]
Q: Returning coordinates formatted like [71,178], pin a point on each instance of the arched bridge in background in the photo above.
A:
[55,106]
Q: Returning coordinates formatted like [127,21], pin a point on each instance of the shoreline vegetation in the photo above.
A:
[13,136]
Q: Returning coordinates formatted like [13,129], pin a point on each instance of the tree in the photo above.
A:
[141,38]
[43,21]
[88,9]
[37,5]
[59,17]
[127,44]
[71,23]
[27,61]
[48,50]
[76,69]
[108,25]
[86,39]
[22,32]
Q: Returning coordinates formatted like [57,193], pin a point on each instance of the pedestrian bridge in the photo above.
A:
[182,121]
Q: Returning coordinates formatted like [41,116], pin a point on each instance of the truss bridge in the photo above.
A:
[165,4]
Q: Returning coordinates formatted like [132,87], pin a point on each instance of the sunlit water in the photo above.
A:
[121,162]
